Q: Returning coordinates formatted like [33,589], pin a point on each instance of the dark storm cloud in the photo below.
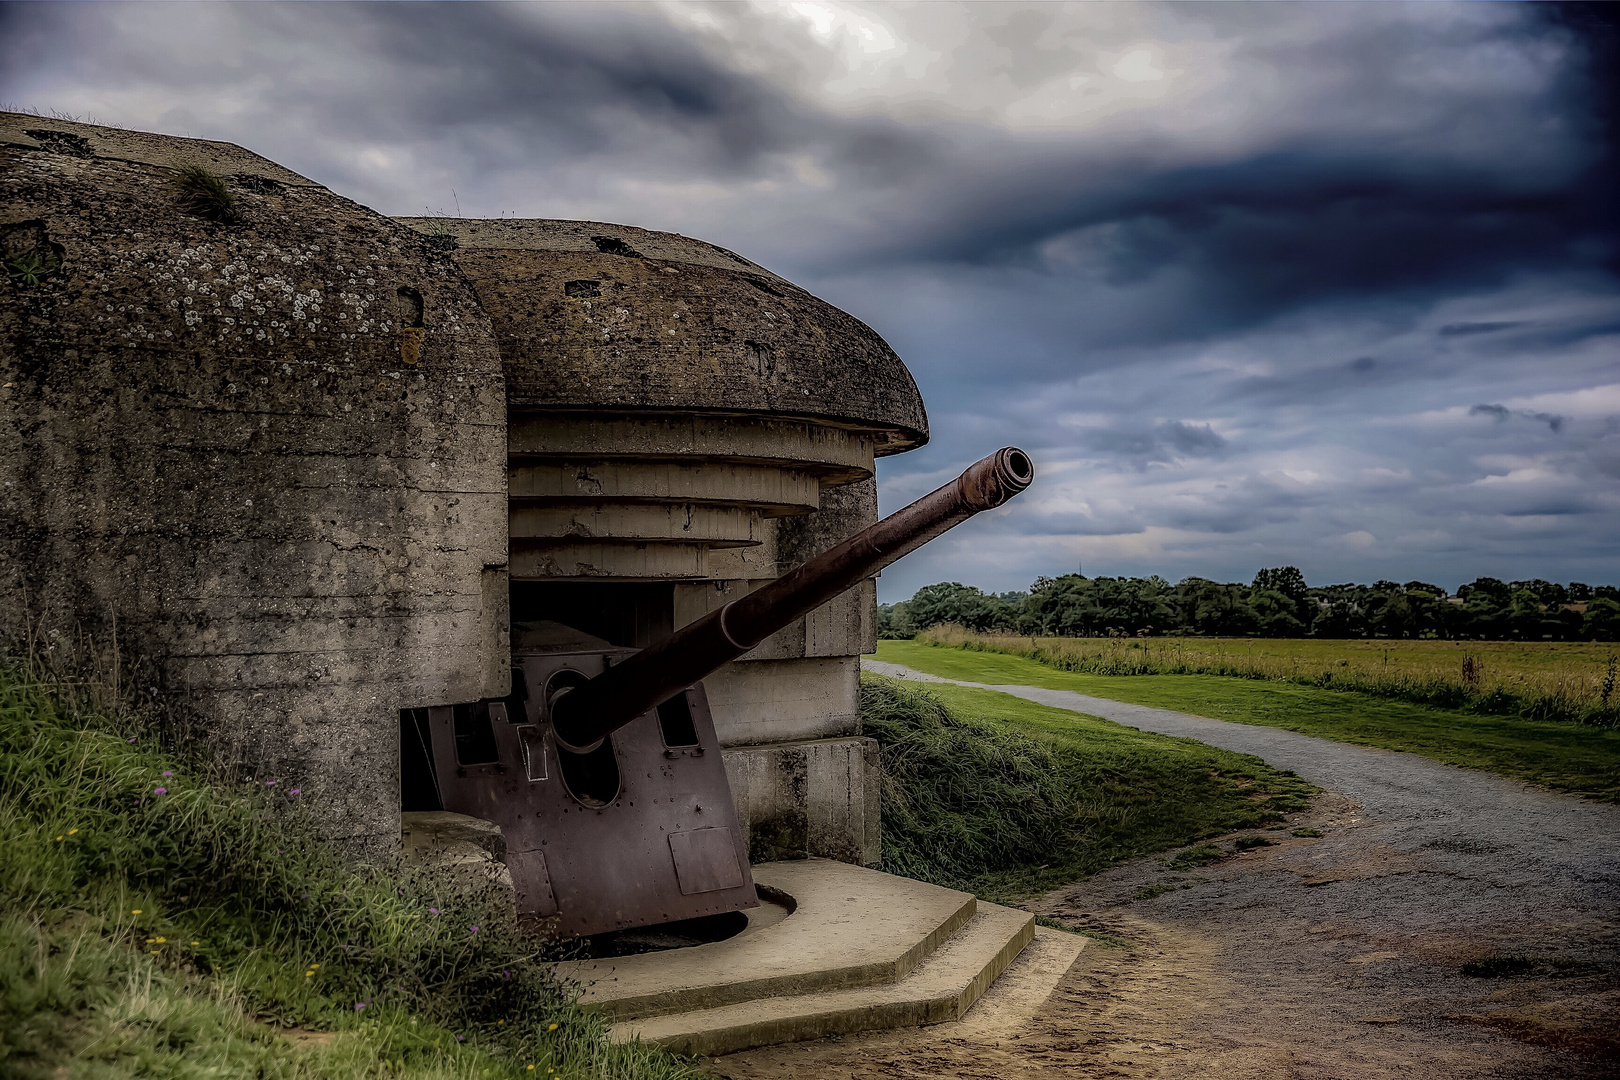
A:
[1501,413]
[1164,442]
[1331,285]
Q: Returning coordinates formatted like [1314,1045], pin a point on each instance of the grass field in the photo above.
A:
[155,924]
[1003,797]
[1549,680]
[1576,758]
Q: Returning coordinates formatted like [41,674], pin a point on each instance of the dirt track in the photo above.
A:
[1337,956]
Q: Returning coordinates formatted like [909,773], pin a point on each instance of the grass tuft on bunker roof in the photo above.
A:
[204,194]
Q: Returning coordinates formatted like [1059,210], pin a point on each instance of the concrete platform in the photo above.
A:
[861,950]
[849,927]
[942,988]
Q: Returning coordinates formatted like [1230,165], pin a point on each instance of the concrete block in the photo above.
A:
[467,852]
[842,806]
[816,798]
[780,700]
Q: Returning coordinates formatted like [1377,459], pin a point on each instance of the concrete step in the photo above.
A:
[941,988]
[1023,988]
[850,927]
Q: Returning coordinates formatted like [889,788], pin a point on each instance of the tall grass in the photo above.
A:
[157,921]
[1003,797]
[1474,677]
[962,799]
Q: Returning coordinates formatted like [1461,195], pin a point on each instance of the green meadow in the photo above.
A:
[1570,757]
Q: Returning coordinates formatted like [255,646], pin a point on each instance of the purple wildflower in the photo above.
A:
[269,783]
[475,929]
[433,911]
[160,791]
[168,774]
[359,1005]
[129,740]
[295,791]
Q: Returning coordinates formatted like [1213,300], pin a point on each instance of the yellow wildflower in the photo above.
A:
[72,831]
[59,838]
[196,943]
[135,911]
[553,1027]
[314,967]
[162,940]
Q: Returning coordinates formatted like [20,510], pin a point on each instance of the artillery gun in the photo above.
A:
[602,766]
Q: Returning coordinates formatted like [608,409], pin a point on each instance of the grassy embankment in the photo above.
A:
[1004,798]
[155,924]
[1571,757]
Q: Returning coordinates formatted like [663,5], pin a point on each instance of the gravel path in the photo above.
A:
[1557,856]
[1339,955]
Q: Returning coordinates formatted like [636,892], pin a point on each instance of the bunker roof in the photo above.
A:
[76,140]
[594,315]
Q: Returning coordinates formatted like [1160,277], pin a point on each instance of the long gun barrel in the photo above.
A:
[582,716]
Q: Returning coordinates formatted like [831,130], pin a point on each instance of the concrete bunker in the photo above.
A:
[225,460]
[684,425]
[368,500]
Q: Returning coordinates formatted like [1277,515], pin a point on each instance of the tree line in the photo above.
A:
[1278,603]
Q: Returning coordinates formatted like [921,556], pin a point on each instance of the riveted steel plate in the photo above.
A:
[659,845]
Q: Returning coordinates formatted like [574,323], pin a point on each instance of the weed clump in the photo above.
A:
[1198,855]
[204,194]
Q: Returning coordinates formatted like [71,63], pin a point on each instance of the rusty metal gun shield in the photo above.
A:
[639,831]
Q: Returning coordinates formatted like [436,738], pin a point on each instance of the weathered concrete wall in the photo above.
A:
[226,444]
[593,315]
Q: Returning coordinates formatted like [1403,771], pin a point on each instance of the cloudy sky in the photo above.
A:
[1328,285]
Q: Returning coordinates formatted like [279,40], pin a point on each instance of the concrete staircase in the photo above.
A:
[834,949]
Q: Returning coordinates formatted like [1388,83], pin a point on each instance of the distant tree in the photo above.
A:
[1283,579]
[1075,605]
[894,622]
[1276,613]
[1547,592]
[1602,620]
[964,605]
[1209,607]
[1485,588]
